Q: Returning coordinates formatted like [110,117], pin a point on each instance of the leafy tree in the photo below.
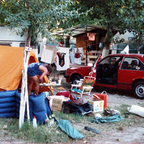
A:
[35,16]
[112,14]
[100,12]
[133,11]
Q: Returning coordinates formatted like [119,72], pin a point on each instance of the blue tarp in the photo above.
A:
[66,126]
[114,118]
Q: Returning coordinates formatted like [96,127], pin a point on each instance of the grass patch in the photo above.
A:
[41,134]
[123,109]
[128,119]
[73,117]
[53,134]
[44,133]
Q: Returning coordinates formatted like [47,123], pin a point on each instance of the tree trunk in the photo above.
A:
[106,42]
[138,45]
[105,52]
[28,38]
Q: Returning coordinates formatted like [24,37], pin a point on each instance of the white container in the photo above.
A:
[97,104]
[34,122]
[98,116]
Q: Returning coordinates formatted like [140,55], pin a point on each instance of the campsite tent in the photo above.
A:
[11,66]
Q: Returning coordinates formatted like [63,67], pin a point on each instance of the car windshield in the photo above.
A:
[113,60]
[94,64]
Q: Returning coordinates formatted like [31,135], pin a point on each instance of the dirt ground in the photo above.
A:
[132,134]
[110,134]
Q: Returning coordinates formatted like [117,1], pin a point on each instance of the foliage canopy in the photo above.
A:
[43,16]
[35,16]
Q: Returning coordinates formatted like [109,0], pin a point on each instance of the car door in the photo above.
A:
[129,71]
[107,71]
[93,68]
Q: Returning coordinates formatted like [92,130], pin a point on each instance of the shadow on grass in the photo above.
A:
[114,91]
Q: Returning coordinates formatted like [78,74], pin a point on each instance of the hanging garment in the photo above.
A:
[71,56]
[77,61]
[48,54]
[78,55]
[60,44]
[62,58]
[91,36]
[81,51]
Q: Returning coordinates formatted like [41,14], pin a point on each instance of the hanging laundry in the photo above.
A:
[81,51]
[78,55]
[48,54]
[71,56]
[60,44]
[62,58]
[91,36]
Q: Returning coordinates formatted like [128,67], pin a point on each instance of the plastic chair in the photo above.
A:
[84,87]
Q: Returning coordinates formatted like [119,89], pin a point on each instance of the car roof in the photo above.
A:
[140,56]
[128,55]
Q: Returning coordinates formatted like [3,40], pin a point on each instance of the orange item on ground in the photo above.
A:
[102,96]
[11,66]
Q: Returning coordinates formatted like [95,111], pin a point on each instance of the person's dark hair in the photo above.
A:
[49,68]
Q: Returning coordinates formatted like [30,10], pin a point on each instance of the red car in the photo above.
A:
[118,71]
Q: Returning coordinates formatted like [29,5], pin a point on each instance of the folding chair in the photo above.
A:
[84,87]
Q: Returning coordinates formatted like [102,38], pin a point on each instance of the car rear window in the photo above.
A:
[132,63]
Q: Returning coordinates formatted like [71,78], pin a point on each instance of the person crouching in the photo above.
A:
[34,70]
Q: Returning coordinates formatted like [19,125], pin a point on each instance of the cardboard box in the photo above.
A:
[57,101]
[98,104]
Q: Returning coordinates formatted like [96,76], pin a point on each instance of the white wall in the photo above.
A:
[125,36]
[10,36]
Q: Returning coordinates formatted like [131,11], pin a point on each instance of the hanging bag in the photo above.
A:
[77,54]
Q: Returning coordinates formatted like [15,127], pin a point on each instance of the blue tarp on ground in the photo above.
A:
[114,118]
[66,126]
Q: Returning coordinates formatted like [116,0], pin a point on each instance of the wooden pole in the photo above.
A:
[86,45]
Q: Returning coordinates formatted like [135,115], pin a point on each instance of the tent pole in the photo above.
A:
[86,44]
[24,92]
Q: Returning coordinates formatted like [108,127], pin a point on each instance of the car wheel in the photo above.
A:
[75,79]
[139,90]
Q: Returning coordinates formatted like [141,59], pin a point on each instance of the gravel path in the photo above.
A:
[133,134]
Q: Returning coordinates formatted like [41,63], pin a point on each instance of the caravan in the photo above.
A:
[10,37]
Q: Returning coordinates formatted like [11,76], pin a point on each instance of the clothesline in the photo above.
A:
[62,56]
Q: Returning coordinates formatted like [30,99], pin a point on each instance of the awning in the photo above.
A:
[78,29]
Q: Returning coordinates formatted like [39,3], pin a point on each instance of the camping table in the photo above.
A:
[54,84]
